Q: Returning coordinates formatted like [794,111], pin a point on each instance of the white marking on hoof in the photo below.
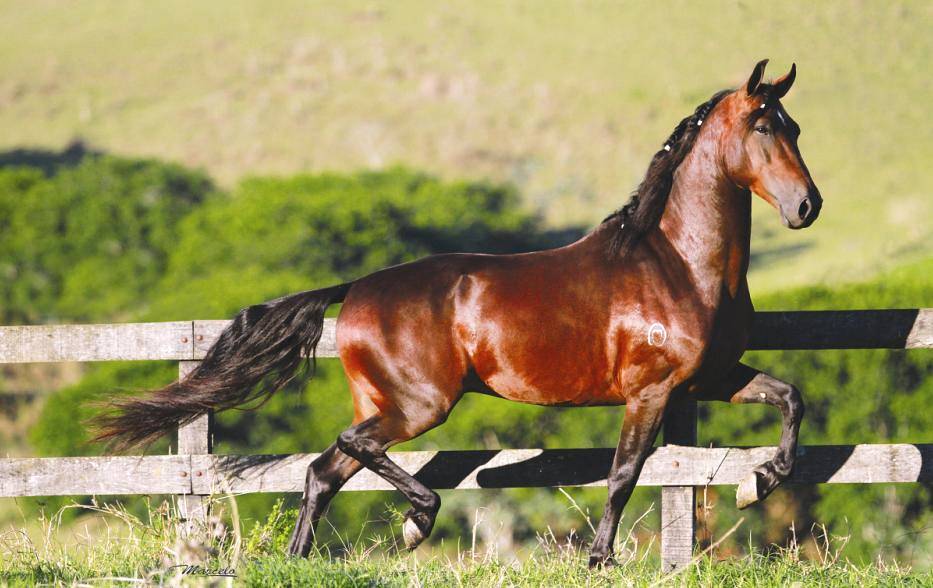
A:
[411,534]
[657,334]
[747,492]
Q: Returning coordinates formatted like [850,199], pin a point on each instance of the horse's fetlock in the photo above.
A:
[601,559]
[782,466]
[429,503]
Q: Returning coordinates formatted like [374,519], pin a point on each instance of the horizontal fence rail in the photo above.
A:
[190,340]
[195,473]
[669,465]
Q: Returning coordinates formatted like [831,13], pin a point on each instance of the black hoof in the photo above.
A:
[601,561]
[416,527]
[758,485]
[749,491]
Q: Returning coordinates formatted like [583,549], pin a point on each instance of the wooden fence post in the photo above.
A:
[194,439]
[678,503]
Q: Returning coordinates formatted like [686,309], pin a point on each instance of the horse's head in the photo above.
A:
[760,149]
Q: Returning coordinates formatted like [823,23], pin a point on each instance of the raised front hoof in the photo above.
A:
[749,491]
[416,528]
[759,484]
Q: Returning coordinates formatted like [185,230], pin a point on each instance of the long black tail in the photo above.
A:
[262,350]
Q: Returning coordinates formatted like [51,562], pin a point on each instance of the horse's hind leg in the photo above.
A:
[747,385]
[326,475]
[368,441]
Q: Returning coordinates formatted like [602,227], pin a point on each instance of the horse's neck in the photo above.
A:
[708,221]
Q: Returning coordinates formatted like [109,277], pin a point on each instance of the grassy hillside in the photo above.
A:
[565,99]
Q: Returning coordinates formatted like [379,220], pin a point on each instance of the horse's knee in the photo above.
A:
[429,502]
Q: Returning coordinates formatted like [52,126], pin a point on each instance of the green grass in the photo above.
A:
[566,100]
[569,570]
[546,569]
[116,548]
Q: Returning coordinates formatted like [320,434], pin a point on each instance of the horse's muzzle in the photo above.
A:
[806,212]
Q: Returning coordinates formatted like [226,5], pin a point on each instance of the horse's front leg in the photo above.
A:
[643,417]
[744,385]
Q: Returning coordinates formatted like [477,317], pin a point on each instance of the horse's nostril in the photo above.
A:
[804,208]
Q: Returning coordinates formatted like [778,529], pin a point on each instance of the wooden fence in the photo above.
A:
[195,473]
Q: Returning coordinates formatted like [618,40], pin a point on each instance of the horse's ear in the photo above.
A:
[756,76]
[783,85]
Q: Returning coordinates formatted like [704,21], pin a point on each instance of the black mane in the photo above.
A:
[643,211]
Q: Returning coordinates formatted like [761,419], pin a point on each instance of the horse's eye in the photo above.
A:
[762,130]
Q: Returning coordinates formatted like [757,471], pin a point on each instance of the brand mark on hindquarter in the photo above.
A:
[657,334]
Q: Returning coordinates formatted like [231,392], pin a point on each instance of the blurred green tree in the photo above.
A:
[90,241]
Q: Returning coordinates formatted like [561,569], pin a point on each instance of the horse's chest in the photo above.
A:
[728,339]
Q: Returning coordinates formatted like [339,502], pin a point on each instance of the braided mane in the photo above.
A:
[643,211]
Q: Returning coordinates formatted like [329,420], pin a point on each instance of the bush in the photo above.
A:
[91,241]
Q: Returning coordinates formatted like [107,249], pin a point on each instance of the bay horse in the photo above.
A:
[652,304]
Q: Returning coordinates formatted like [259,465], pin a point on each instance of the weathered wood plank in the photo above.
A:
[678,503]
[128,341]
[207,332]
[194,438]
[921,334]
[68,476]
[832,329]
[678,526]
[510,468]
[525,468]
[844,329]
[187,340]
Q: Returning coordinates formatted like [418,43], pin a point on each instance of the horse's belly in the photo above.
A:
[560,373]
[553,392]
